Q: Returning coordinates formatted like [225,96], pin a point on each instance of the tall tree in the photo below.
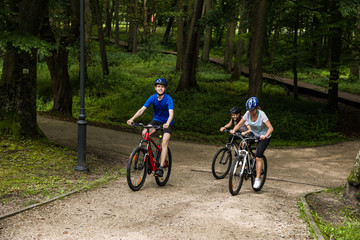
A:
[335,44]
[188,76]
[18,82]
[117,30]
[354,69]
[295,46]
[240,45]
[57,61]
[180,35]
[95,8]
[208,4]
[133,26]
[231,8]
[258,17]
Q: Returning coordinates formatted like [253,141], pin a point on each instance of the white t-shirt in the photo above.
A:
[258,127]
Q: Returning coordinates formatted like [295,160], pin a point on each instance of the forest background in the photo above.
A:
[316,42]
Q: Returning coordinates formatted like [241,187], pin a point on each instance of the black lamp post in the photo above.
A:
[81,164]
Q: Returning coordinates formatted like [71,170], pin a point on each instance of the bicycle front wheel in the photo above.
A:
[262,174]
[136,168]
[236,177]
[161,181]
[221,163]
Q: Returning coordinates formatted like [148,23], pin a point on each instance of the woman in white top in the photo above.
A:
[260,126]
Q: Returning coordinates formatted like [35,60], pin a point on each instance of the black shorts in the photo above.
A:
[261,146]
[166,130]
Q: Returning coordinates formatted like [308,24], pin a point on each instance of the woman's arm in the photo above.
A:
[248,131]
[269,131]
[237,126]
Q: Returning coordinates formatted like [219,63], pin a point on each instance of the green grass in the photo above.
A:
[32,171]
[349,229]
[198,114]
[320,77]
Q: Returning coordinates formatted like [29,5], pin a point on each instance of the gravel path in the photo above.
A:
[193,205]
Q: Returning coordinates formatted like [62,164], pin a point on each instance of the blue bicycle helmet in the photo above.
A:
[252,103]
[161,81]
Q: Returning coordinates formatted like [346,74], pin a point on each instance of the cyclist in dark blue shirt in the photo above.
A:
[163,115]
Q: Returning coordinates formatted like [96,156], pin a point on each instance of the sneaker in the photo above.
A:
[159,172]
[257,183]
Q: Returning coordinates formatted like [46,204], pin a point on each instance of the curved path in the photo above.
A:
[193,205]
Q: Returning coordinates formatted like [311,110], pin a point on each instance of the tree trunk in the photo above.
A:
[335,51]
[167,31]
[58,61]
[354,69]
[295,60]
[107,30]
[208,34]
[97,13]
[353,181]
[256,47]
[240,51]
[274,42]
[117,31]
[188,76]
[229,46]
[316,42]
[146,22]
[18,82]
[133,27]
[180,37]
[60,79]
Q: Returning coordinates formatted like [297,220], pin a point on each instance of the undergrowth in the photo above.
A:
[199,114]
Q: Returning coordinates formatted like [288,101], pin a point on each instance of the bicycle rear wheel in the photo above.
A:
[161,181]
[236,178]
[221,163]
[136,168]
[262,175]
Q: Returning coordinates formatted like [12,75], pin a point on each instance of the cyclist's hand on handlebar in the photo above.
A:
[232,131]
[222,129]
[262,137]
[243,133]
[165,125]
[130,122]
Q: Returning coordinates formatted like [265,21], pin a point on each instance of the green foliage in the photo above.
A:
[320,77]
[198,114]
[349,230]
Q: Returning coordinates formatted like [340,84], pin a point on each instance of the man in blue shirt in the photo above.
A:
[163,115]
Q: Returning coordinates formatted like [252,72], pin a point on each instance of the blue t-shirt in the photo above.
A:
[161,108]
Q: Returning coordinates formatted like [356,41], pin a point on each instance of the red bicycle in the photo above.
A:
[142,160]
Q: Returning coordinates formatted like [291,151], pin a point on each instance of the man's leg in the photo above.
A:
[164,151]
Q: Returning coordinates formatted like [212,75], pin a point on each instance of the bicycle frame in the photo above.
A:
[245,154]
[148,140]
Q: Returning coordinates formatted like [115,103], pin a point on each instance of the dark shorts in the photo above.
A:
[166,130]
[261,147]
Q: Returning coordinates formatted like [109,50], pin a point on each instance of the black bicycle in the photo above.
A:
[244,166]
[223,157]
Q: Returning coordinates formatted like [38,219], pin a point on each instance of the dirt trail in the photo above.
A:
[193,205]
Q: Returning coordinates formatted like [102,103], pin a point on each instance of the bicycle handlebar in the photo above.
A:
[238,134]
[157,127]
